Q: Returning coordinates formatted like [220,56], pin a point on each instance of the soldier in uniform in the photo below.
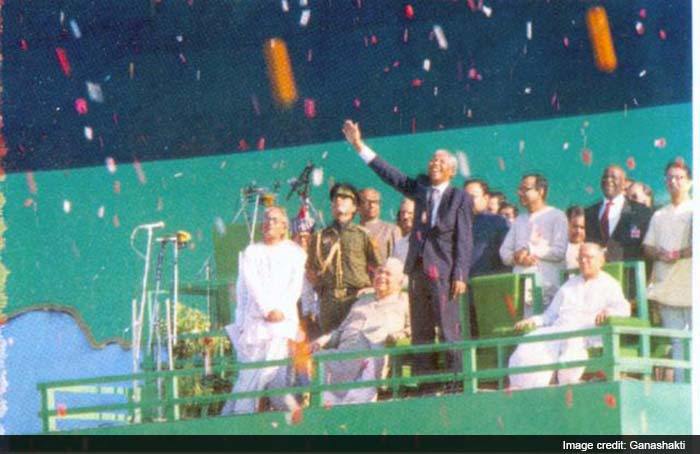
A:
[341,258]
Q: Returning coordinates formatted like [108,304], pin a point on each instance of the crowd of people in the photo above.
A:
[353,286]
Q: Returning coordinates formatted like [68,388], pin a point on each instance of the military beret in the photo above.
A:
[344,190]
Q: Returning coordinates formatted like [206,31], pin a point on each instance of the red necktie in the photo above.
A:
[605,221]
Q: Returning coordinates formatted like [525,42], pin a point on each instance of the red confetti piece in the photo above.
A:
[309,55]
[29,202]
[660,142]
[416,83]
[396,64]
[473,74]
[117,187]
[115,118]
[433,273]
[63,60]
[374,40]
[662,34]
[31,182]
[472,5]
[243,145]
[405,35]
[587,156]
[61,410]
[309,108]
[261,144]
[408,12]
[23,44]
[356,103]
[81,106]
[139,172]
[510,306]
[631,164]
[643,13]
[413,125]
[639,28]
[566,41]
[115,221]
[610,400]
[569,398]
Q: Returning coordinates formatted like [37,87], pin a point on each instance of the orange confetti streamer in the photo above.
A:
[279,72]
[601,39]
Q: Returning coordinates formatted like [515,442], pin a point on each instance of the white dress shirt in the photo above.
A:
[614,213]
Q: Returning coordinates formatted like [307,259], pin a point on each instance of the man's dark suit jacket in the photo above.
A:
[446,247]
[625,243]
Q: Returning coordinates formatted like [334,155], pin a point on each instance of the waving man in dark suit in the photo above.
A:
[440,245]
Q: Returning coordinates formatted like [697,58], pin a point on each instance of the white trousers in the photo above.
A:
[537,353]
[349,372]
[262,378]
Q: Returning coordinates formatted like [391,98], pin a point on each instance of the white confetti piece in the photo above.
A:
[440,36]
[199,74]
[178,175]
[220,226]
[305,17]
[463,164]
[178,38]
[66,206]
[527,90]
[426,64]
[75,29]
[528,30]
[643,73]
[111,164]
[324,155]
[285,6]
[521,146]
[303,3]
[94,92]
[101,212]
[88,132]
[486,10]
[565,146]
[62,17]
[317,176]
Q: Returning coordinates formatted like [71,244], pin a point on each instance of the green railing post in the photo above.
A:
[499,363]
[468,363]
[44,408]
[316,381]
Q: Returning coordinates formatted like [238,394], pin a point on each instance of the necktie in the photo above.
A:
[432,204]
[605,221]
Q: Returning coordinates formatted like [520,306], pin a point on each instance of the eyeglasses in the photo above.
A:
[523,190]
[675,177]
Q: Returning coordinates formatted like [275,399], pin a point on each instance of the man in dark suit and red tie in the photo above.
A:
[440,246]
[617,223]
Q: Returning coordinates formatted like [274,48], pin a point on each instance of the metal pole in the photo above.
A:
[176,291]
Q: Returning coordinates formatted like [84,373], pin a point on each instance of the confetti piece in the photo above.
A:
[31,183]
[131,70]
[111,164]
[601,39]
[643,13]
[261,144]
[463,164]
[472,5]
[440,36]
[521,146]
[61,410]
[101,212]
[528,30]
[589,189]
[416,83]
[324,155]
[639,28]
[285,6]
[317,176]
[117,187]
[660,142]
[610,400]
[220,226]
[565,146]
[305,17]
[408,12]
[569,398]
[182,58]
[405,35]
[23,44]
[81,106]
[115,221]
[643,73]
[631,164]
[66,206]
[500,422]
[139,172]
[587,156]
[303,3]
[279,71]
[309,108]
[662,34]
[88,132]
[75,29]
[94,92]
[426,65]
[501,164]
[29,202]
[566,41]
[309,55]
[160,204]
[63,60]
[274,424]
[243,145]
[486,10]
[356,103]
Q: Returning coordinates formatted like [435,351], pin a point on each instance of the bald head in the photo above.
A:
[613,182]
[591,258]
[370,204]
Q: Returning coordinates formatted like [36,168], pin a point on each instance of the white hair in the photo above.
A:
[451,158]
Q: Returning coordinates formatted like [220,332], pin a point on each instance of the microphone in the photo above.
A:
[154,225]
[181,238]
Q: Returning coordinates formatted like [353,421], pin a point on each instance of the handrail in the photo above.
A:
[611,362]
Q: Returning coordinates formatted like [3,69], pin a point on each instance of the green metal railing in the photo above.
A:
[611,362]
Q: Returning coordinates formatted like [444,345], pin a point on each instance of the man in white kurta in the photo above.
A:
[268,288]
[584,301]
[537,240]
[372,320]
[668,242]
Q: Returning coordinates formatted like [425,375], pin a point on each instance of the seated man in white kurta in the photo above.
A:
[372,320]
[269,285]
[582,302]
